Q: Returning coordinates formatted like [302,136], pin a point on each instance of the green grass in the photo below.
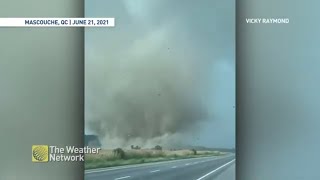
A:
[107,158]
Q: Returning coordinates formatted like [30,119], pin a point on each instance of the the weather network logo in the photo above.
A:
[40,153]
[46,153]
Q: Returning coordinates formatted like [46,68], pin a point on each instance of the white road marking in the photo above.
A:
[187,164]
[98,170]
[124,177]
[216,169]
[174,167]
[154,171]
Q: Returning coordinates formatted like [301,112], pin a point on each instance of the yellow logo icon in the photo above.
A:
[40,153]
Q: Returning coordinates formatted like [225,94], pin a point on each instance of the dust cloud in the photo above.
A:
[148,96]
[150,81]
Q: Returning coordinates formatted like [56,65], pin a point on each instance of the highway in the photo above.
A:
[185,169]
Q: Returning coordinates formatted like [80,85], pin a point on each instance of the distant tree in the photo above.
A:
[119,152]
[158,147]
[135,147]
[194,151]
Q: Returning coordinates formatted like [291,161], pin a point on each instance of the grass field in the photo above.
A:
[107,158]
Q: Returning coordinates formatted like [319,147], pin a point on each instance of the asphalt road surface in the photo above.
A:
[186,169]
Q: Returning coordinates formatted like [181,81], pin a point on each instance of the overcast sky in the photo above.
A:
[203,31]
